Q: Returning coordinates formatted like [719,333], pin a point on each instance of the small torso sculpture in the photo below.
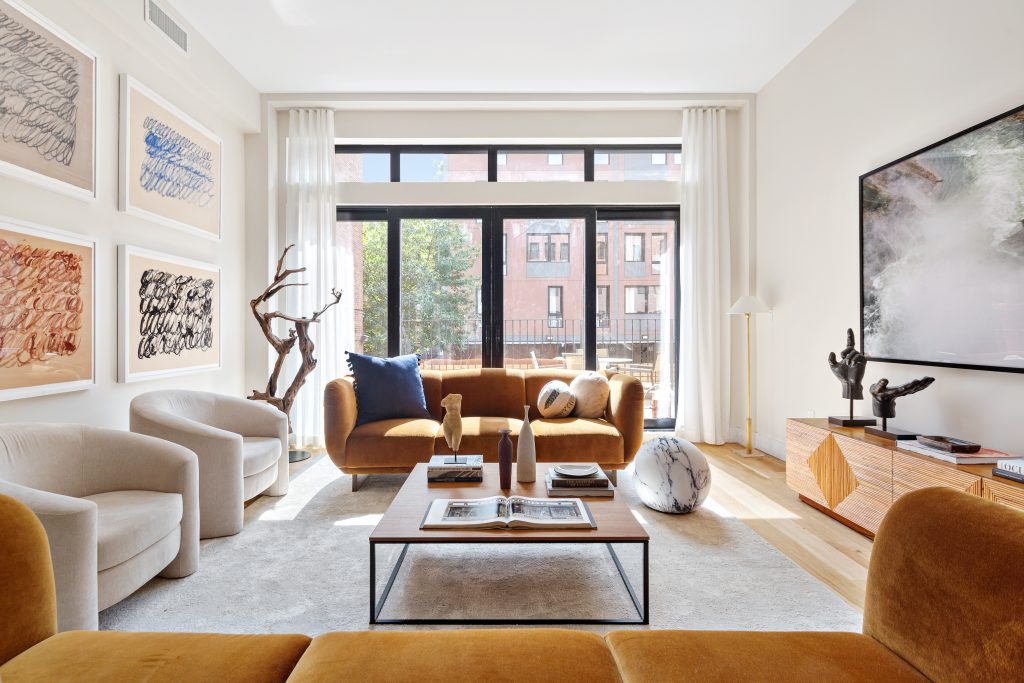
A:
[452,423]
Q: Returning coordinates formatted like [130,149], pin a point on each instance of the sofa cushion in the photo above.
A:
[128,522]
[259,453]
[577,439]
[487,392]
[480,436]
[538,654]
[86,656]
[534,380]
[387,388]
[709,656]
[392,443]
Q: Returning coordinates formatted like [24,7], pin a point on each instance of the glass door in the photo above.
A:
[542,268]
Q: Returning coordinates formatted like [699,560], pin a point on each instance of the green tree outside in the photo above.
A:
[438,289]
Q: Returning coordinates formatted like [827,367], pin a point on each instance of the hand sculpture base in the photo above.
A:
[858,421]
[890,433]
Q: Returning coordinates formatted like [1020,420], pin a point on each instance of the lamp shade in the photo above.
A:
[748,304]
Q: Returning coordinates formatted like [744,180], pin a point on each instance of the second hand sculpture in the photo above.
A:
[883,405]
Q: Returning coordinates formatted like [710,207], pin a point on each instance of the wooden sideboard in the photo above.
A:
[855,477]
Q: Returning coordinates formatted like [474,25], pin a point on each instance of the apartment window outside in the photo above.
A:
[642,299]
[634,247]
[547,248]
[504,253]
[637,165]
[541,166]
[658,242]
[601,250]
[603,292]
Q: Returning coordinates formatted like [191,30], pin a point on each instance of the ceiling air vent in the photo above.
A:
[159,19]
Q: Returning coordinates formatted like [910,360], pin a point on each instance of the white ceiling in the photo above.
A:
[499,46]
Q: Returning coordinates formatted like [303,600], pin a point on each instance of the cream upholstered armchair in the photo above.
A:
[118,509]
[242,447]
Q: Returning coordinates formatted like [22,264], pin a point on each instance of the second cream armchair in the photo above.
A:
[242,447]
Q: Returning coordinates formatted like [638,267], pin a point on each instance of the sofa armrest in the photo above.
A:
[339,416]
[70,525]
[626,411]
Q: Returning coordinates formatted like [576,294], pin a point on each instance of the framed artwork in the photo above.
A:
[942,252]
[169,315]
[48,112]
[47,311]
[170,170]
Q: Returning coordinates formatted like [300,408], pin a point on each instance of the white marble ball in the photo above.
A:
[671,475]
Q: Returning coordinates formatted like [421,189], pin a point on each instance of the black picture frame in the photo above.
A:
[861,244]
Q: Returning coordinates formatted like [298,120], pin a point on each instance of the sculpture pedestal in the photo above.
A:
[891,433]
[843,421]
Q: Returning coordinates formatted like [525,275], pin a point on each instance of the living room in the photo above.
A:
[381,341]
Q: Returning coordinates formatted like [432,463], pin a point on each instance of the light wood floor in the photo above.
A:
[753,489]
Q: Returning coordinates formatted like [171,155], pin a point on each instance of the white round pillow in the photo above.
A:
[591,391]
[555,400]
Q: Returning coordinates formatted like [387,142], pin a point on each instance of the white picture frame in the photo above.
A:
[133,364]
[143,188]
[34,235]
[46,172]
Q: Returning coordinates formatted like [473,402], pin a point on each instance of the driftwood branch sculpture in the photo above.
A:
[297,334]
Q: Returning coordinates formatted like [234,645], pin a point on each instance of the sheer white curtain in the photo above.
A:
[703,410]
[310,225]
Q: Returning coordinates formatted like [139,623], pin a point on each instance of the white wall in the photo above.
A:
[888,77]
[207,88]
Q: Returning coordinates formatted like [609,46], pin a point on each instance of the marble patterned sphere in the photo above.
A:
[671,475]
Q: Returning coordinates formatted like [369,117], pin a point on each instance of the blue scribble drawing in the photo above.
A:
[175,166]
[39,85]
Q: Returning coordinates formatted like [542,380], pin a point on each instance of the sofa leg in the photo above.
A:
[613,477]
[355,483]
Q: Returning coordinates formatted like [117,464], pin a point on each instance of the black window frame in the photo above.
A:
[493,217]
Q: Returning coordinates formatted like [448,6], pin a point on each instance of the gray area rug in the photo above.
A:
[302,565]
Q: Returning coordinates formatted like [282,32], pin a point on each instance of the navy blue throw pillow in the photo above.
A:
[387,388]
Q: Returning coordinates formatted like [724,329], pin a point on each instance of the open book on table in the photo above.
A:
[513,512]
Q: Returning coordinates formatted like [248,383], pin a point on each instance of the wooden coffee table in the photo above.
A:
[400,525]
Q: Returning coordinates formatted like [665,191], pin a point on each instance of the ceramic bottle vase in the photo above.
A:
[526,451]
[505,459]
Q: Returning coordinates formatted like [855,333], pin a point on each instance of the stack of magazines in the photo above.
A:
[465,468]
[1010,469]
[591,485]
[985,456]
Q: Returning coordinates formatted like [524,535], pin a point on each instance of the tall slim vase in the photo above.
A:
[526,454]
[505,460]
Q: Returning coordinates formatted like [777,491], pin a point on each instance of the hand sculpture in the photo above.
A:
[850,368]
[452,424]
[884,402]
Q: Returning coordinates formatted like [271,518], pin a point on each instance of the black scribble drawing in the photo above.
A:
[177,314]
[39,85]
[40,304]
[175,166]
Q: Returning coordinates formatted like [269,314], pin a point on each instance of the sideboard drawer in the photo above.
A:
[1007,494]
[871,498]
[910,473]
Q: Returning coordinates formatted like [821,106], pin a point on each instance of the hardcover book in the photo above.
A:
[513,512]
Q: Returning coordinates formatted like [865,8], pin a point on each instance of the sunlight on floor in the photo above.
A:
[362,520]
[301,490]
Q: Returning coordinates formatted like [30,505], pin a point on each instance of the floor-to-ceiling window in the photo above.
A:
[519,286]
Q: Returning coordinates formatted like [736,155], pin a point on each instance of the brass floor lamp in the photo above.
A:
[747,306]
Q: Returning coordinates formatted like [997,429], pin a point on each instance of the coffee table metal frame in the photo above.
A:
[377,605]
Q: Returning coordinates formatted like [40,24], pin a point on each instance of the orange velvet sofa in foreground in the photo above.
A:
[944,603]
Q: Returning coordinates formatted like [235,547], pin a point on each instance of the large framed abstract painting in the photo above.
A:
[942,252]
[170,164]
[169,315]
[47,311]
[48,110]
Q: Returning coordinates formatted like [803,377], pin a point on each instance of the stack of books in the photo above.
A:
[594,485]
[468,468]
[985,456]
[1010,469]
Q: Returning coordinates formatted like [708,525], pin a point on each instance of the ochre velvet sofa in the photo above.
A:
[944,603]
[492,399]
